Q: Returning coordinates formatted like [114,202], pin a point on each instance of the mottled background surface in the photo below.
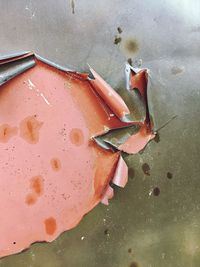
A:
[155,220]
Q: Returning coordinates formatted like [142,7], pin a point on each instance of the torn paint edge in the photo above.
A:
[13,55]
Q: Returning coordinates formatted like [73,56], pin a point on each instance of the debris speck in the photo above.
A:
[82,237]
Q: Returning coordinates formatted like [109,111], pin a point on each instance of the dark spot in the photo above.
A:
[134,264]
[146,168]
[119,29]
[14,243]
[131,173]
[130,61]
[106,232]
[72,6]
[177,70]
[50,225]
[117,40]
[157,138]
[131,46]
[156,191]
[169,175]
[130,250]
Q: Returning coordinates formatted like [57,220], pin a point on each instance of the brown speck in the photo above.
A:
[169,175]
[131,173]
[55,164]
[131,46]
[7,132]
[50,225]
[30,199]
[14,243]
[157,138]
[117,40]
[119,29]
[37,185]
[129,60]
[156,191]
[146,169]
[76,137]
[130,250]
[134,264]
[29,129]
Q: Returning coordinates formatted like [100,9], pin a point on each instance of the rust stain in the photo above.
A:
[30,199]
[37,185]
[7,132]
[131,45]
[55,164]
[76,136]
[50,225]
[146,168]
[29,129]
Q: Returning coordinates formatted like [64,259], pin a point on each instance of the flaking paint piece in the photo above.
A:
[41,206]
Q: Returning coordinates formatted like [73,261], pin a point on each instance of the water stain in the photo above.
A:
[131,173]
[29,129]
[55,164]
[37,185]
[50,225]
[119,29]
[177,70]
[146,168]
[76,136]
[134,264]
[156,191]
[31,199]
[131,45]
[130,250]
[7,132]
[117,40]
[169,175]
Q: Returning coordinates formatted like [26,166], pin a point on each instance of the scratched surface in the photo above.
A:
[154,221]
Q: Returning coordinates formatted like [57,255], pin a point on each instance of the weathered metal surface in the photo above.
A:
[140,226]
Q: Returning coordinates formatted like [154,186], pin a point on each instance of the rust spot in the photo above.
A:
[55,164]
[30,199]
[117,40]
[76,137]
[50,225]
[131,46]
[146,169]
[29,129]
[7,132]
[37,185]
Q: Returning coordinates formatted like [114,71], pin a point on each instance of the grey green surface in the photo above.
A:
[137,227]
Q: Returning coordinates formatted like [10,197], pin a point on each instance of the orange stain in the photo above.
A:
[55,164]
[50,225]
[37,185]
[29,129]
[6,132]
[30,199]
[76,136]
